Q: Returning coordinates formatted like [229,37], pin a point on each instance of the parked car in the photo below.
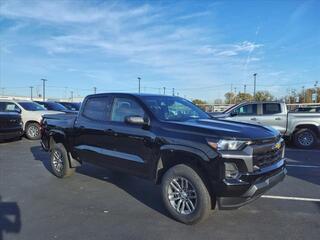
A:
[300,127]
[10,124]
[73,106]
[31,114]
[54,106]
[199,161]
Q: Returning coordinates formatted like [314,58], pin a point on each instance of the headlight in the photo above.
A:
[227,144]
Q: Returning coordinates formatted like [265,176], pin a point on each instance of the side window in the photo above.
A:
[271,108]
[97,108]
[9,107]
[249,109]
[123,107]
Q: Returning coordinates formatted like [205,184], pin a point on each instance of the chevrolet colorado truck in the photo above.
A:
[302,128]
[201,163]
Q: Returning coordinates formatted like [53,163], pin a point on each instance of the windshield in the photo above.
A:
[54,106]
[173,108]
[71,106]
[31,106]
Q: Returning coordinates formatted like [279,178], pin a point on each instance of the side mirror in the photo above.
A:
[233,114]
[136,120]
[17,110]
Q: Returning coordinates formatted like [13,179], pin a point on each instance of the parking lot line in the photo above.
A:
[292,198]
[303,166]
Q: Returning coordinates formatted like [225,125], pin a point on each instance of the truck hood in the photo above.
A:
[45,112]
[230,129]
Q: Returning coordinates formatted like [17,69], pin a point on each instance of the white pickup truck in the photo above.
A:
[31,115]
[302,128]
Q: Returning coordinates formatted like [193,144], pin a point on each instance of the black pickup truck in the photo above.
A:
[10,126]
[200,162]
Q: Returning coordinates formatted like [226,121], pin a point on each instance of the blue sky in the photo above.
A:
[199,48]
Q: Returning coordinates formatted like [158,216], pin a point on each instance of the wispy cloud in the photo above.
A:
[139,38]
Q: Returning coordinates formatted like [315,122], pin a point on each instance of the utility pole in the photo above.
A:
[315,91]
[139,79]
[164,90]
[254,85]
[303,94]
[172,91]
[31,93]
[94,90]
[245,89]
[44,88]
[71,96]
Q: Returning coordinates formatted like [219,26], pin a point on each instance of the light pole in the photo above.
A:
[31,93]
[315,91]
[71,96]
[94,90]
[303,94]
[254,84]
[172,91]
[245,89]
[164,90]
[139,80]
[44,88]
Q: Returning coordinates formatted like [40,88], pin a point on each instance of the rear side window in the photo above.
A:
[97,108]
[271,108]
[250,109]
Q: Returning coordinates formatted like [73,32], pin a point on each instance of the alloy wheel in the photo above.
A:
[182,195]
[57,161]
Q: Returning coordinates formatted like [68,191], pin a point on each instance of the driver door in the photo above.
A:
[246,113]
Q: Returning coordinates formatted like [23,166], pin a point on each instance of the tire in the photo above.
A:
[200,206]
[305,138]
[59,161]
[33,131]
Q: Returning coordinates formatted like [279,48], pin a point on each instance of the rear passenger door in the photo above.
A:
[273,115]
[93,138]
[246,113]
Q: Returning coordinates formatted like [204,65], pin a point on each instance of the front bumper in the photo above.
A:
[262,182]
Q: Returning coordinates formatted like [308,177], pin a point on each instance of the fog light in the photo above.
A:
[231,170]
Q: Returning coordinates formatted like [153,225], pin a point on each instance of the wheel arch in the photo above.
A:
[173,155]
[312,127]
[57,136]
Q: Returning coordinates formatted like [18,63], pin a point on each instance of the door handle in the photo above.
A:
[110,132]
[81,127]
[254,119]
[277,118]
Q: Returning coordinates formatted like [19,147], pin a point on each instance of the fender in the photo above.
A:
[59,136]
[194,151]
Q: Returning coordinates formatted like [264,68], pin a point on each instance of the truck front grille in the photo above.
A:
[266,155]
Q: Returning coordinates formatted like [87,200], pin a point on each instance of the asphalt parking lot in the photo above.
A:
[98,204]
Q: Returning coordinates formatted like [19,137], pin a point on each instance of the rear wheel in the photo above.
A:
[59,161]
[185,195]
[305,138]
[33,131]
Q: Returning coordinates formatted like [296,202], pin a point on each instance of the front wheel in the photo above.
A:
[305,138]
[59,161]
[185,195]
[33,131]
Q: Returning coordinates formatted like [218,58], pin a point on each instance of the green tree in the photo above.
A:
[230,97]
[264,96]
[244,97]
[198,102]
